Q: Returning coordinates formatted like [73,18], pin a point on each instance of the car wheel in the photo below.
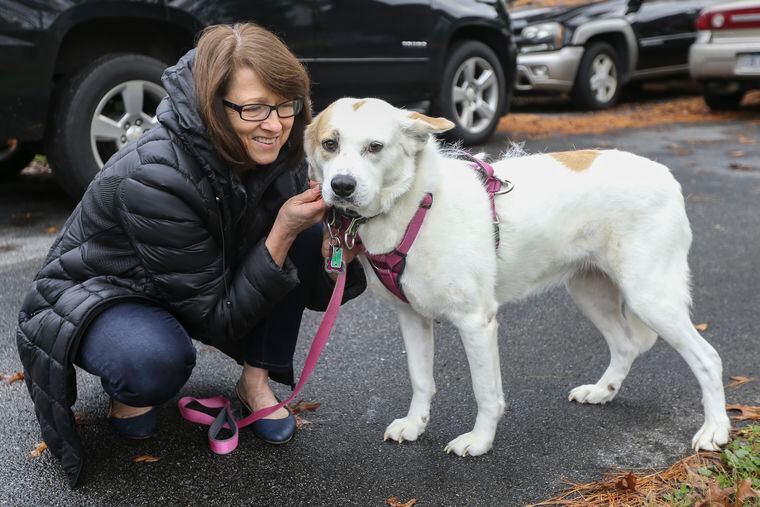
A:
[472,92]
[14,156]
[597,84]
[724,101]
[98,111]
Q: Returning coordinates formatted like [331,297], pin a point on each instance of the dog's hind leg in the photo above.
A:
[627,337]
[479,332]
[656,288]
[418,340]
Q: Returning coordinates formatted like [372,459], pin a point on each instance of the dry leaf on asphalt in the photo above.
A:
[747,140]
[37,452]
[740,380]
[395,502]
[10,379]
[701,327]
[145,458]
[301,422]
[303,406]
[737,153]
[736,166]
[747,412]
[51,230]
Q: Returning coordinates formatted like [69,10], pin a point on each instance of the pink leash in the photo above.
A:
[225,420]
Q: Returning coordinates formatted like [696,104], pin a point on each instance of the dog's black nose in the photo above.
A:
[343,185]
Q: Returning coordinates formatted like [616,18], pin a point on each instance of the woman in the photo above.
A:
[206,228]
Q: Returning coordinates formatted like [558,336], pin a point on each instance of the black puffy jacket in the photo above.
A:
[166,221]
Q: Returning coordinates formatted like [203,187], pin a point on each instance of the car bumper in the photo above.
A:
[719,60]
[551,70]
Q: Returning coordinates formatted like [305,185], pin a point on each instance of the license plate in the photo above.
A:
[748,63]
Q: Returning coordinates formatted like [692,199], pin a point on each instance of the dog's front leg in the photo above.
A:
[418,340]
[479,333]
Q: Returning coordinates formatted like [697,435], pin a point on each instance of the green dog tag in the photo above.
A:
[336,261]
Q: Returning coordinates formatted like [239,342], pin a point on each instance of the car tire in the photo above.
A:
[724,101]
[597,84]
[474,107]
[103,98]
[15,156]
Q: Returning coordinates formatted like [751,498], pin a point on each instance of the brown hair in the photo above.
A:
[222,49]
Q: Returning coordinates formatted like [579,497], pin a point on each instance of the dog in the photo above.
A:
[609,225]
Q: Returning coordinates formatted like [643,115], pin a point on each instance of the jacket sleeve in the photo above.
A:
[168,223]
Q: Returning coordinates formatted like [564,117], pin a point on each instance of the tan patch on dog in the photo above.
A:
[576,160]
[359,104]
[316,129]
[439,124]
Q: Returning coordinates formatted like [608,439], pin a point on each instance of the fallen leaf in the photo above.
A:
[303,406]
[736,166]
[745,491]
[679,150]
[701,327]
[627,483]
[10,379]
[37,452]
[145,458]
[7,248]
[737,153]
[301,422]
[747,140]
[747,412]
[395,502]
[51,230]
[740,380]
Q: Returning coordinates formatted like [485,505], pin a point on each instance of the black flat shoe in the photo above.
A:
[272,431]
[136,428]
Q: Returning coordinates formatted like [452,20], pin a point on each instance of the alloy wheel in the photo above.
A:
[604,78]
[475,94]
[123,115]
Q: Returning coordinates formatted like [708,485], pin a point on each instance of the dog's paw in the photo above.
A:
[469,444]
[711,436]
[592,393]
[404,429]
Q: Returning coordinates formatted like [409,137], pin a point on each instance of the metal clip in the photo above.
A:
[506,187]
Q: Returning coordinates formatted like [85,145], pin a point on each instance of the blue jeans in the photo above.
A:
[144,356]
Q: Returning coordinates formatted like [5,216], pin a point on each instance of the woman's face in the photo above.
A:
[262,139]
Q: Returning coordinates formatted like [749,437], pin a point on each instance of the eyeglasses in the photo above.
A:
[260,112]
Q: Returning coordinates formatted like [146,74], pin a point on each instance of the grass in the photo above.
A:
[731,478]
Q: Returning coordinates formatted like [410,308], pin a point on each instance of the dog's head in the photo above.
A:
[363,152]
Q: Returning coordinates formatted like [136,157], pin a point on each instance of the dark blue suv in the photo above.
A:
[81,77]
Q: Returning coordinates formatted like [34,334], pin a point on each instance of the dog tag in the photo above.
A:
[335,262]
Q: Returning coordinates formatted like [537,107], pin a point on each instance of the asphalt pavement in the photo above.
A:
[547,347]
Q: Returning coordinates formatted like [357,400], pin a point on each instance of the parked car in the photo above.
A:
[85,75]
[592,50]
[725,59]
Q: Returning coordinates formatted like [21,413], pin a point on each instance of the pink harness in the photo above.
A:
[390,266]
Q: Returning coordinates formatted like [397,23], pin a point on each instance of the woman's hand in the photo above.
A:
[297,214]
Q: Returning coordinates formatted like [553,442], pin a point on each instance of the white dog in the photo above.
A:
[609,225]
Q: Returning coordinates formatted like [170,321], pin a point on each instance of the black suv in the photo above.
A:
[592,50]
[81,78]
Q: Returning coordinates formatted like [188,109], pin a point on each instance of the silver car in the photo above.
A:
[726,55]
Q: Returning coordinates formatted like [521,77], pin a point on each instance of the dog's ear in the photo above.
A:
[419,126]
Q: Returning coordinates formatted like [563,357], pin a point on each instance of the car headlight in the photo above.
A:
[542,37]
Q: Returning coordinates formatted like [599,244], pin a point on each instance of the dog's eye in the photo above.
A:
[374,147]
[329,145]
